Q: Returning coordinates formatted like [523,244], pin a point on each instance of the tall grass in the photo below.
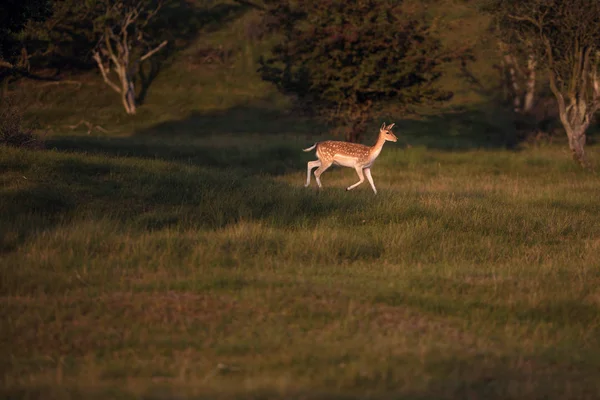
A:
[178,255]
[158,274]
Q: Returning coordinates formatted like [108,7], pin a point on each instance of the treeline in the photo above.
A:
[343,60]
[115,37]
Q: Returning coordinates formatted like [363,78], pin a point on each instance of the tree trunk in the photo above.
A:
[577,141]
[516,92]
[128,105]
[127,91]
[129,96]
[576,126]
[530,84]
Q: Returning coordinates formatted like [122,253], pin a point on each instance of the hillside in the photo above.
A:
[211,80]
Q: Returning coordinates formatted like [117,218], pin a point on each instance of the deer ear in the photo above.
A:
[382,126]
[391,126]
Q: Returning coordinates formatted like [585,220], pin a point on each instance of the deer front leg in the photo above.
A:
[370,178]
[359,171]
[322,168]
[311,165]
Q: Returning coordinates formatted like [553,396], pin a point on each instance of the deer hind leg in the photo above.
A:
[310,166]
[370,178]
[359,171]
[322,168]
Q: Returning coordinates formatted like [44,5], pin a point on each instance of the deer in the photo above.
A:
[351,155]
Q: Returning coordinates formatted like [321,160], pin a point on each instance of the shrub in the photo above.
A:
[12,132]
[349,60]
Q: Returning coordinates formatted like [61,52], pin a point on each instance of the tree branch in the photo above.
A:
[538,24]
[6,64]
[595,84]
[594,76]
[552,76]
[108,34]
[98,59]
[585,68]
[90,126]
[66,82]
[152,13]
[152,52]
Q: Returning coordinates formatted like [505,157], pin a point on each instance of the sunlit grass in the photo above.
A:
[179,255]
[470,274]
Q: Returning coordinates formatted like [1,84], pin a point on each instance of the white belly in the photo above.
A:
[345,161]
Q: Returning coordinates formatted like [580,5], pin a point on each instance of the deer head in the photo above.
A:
[387,133]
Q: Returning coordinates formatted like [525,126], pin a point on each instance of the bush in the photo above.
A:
[12,132]
[350,60]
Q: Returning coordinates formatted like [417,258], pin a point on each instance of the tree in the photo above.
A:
[566,36]
[112,35]
[348,59]
[124,44]
[14,16]
[518,67]
[65,38]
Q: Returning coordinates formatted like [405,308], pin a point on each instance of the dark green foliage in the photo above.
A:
[549,27]
[12,131]
[67,38]
[346,60]
[62,34]
[566,36]
[14,15]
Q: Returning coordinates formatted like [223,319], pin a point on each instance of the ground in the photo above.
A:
[178,255]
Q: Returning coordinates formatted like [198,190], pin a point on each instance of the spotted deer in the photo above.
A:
[351,155]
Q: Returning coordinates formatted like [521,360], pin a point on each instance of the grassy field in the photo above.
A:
[178,255]
[201,267]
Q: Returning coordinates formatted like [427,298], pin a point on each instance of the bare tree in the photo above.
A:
[519,72]
[124,45]
[565,34]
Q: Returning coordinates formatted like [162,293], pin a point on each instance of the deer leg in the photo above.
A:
[370,178]
[311,165]
[322,168]
[359,171]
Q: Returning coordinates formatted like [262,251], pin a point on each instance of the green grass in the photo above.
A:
[206,270]
[180,256]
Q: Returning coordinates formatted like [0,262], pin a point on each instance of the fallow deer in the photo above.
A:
[346,154]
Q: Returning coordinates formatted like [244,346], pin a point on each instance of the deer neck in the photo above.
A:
[376,148]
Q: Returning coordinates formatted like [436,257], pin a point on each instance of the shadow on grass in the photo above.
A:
[273,160]
[253,140]
[484,127]
[465,129]
[30,211]
[239,120]
[471,375]
[210,138]
[147,195]
[454,130]
[560,313]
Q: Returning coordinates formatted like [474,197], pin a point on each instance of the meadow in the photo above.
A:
[203,268]
[177,254]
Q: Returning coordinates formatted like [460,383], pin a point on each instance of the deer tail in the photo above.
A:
[311,147]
